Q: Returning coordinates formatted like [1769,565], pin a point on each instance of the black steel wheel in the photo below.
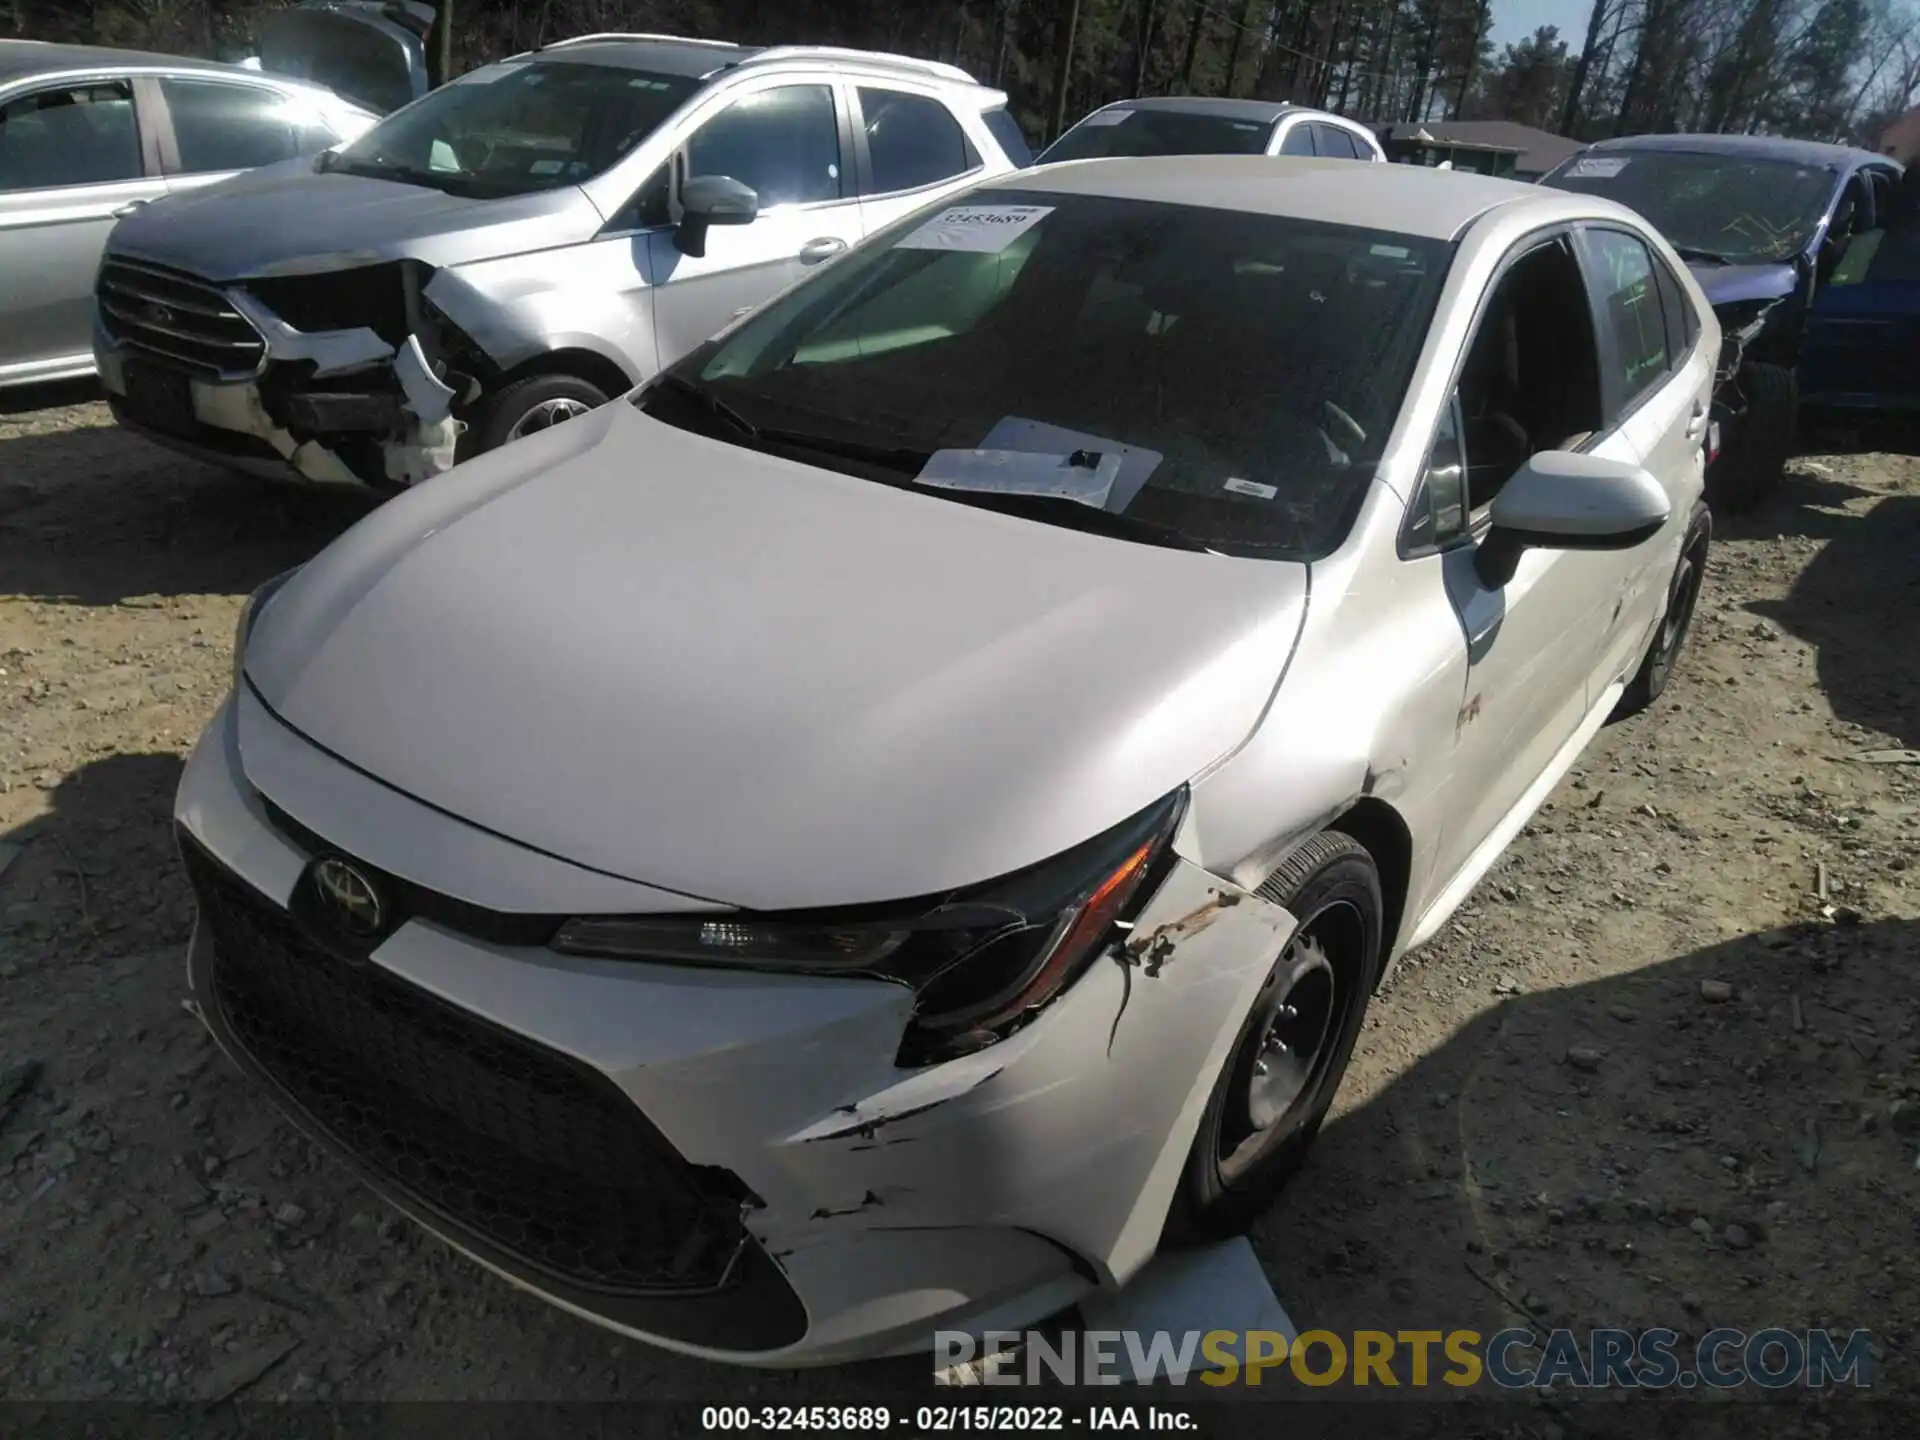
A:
[1293,1047]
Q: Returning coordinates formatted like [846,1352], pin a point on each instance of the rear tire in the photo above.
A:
[535,403]
[1670,639]
[1292,1048]
[1747,473]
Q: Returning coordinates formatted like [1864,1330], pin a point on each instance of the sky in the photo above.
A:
[1516,19]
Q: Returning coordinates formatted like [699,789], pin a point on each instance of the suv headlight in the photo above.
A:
[249,612]
[982,962]
[1743,320]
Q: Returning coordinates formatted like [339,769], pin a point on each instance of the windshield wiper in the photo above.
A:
[903,458]
[467,187]
[705,399]
[890,457]
[1712,257]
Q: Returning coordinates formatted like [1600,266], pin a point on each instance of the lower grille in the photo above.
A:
[177,317]
[534,1153]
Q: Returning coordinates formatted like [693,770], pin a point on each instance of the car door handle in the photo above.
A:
[1696,427]
[825,248]
[128,208]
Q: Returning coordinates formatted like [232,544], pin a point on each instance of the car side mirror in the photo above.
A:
[711,200]
[1559,500]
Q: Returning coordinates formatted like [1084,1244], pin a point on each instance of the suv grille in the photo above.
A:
[524,1147]
[177,317]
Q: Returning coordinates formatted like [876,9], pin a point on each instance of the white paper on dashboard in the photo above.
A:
[982,229]
[1023,472]
[1015,432]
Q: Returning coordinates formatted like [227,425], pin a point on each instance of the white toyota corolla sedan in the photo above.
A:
[901,818]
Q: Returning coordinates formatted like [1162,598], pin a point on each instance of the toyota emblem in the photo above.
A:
[350,898]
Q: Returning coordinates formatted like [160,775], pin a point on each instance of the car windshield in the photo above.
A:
[1710,207]
[517,127]
[1202,378]
[1158,132]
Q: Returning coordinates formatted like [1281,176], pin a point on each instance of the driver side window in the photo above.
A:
[784,144]
[1530,381]
[1531,377]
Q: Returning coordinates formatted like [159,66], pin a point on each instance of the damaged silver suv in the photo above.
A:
[517,247]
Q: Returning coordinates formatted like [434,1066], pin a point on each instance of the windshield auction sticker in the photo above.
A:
[1597,167]
[983,229]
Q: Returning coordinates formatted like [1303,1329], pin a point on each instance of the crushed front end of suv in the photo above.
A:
[516,248]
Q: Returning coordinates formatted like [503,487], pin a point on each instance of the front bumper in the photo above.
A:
[401,430]
[850,1208]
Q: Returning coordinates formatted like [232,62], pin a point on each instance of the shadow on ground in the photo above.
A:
[95,515]
[1868,571]
[25,399]
[1573,1159]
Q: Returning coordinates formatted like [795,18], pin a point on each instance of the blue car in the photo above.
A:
[1860,359]
[1766,225]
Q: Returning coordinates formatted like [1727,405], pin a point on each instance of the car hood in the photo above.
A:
[755,682]
[1731,284]
[288,219]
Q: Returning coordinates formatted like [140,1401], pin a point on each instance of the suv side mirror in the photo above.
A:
[1562,501]
[711,200]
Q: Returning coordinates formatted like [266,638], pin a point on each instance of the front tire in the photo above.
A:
[1747,473]
[1292,1049]
[532,404]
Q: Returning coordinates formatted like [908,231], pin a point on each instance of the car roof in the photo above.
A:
[1224,109]
[1406,199]
[23,59]
[664,56]
[1756,147]
[695,59]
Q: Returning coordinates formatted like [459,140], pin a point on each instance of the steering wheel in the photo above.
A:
[1348,427]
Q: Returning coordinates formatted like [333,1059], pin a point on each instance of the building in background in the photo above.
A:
[1487,147]
[1901,139]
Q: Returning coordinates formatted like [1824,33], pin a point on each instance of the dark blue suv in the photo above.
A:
[1764,224]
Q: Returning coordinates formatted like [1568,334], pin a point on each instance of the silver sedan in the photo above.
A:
[90,135]
[902,818]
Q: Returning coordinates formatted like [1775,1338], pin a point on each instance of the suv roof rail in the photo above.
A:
[936,68]
[637,35]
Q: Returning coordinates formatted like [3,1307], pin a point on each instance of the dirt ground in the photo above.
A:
[1660,1071]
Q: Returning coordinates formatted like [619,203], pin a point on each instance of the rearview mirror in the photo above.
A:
[711,200]
[1559,500]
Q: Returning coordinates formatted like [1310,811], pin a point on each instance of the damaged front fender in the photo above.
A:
[1077,1127]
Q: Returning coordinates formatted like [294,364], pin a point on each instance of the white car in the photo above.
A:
[1151,125]
[901,818]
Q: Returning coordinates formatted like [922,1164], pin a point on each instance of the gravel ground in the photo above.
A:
[1660,1071]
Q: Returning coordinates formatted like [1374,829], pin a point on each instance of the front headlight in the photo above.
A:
[249,612]
[981,962]
[1742,321]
